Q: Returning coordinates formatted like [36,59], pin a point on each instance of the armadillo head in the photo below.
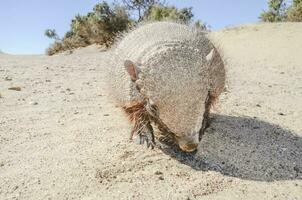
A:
[178,87]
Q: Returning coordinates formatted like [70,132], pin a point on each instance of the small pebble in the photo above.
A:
[106,115]
[158,173]
[7,78]
[15,88]
[33,103]
[282,114]
[161,178]
[258,105]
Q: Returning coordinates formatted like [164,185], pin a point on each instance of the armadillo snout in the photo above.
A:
[188,144]
[188,147]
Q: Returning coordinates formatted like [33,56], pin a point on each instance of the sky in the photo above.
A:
[23,22]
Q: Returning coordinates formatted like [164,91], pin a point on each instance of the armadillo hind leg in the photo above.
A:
[206,121]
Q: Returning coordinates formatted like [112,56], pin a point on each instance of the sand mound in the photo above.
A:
[61,138]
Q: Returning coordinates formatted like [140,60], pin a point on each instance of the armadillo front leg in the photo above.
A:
[143,133]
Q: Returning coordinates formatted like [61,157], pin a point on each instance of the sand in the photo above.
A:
[61,137]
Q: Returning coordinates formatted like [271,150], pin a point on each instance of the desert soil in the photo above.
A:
[61,137]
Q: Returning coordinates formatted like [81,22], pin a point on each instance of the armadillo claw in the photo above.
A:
[147,138]
[143,133]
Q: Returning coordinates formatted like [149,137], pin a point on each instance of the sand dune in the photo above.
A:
[61,138]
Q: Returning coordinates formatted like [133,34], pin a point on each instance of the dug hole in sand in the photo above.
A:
[61,138]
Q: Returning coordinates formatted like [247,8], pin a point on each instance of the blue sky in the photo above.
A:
[23,22]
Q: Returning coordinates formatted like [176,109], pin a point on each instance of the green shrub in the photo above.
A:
[140,7]
[103,24]
[278,11]
[160,13]
[270,16]
[97,27]
[294,13]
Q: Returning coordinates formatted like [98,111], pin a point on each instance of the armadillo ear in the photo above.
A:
[131,69]
[210,56]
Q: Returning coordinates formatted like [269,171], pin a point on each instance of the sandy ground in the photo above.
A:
[61,138]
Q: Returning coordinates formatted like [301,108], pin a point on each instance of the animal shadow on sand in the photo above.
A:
[246,148]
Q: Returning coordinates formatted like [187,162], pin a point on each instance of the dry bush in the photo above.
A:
[280,12]
[294,13]
[56,47]
[103,24]
[97,27]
